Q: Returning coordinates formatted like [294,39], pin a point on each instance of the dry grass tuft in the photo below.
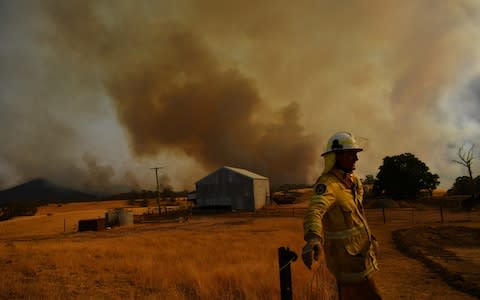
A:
[206,258]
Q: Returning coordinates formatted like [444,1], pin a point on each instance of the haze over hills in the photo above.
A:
[42,191]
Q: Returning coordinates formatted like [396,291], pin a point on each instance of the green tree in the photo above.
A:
[368,184]
[19,208]
[369,179]
[404,176]
[463,186]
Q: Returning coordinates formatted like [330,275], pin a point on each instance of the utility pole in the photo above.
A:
[158,187]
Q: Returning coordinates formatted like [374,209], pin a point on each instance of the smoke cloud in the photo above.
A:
[95,94]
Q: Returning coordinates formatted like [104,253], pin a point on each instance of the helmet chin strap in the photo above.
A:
[338,166]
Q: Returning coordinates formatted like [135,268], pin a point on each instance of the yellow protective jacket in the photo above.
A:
[336,217]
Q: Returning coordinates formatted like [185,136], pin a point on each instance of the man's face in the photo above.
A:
[346,160]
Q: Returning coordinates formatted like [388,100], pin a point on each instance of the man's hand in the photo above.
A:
[311,251]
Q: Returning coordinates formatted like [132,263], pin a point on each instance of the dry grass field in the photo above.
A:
[53,218]
[209,257]
[206,258]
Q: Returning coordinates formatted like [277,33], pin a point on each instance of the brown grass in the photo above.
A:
[56,219]
[215,257]
[207,258]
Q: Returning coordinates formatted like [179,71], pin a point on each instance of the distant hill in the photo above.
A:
[42,191]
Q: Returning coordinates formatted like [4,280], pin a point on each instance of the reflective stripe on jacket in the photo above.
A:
[336,216]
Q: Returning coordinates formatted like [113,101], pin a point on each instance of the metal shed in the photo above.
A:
[91,225]
[236,188]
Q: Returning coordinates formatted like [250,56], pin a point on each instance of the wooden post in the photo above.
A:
[384,219]
[285,257]
[64,225]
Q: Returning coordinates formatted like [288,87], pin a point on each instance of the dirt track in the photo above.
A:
[451,252]
[405,276]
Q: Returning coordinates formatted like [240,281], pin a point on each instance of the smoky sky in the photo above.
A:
[472,97]
[95,93]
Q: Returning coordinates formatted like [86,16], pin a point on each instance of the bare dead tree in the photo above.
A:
[466,159]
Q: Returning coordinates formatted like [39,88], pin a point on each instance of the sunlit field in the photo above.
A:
[229,256]
[205,258]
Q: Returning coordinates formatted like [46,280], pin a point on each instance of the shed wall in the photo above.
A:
[226,188]
[261,190]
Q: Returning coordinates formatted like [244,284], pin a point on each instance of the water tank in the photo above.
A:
[125,218]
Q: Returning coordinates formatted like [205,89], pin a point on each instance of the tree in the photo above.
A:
[466,160]
[463,186]
[19,208]
[368,184]
[167,194]
[404,176]
[369,179]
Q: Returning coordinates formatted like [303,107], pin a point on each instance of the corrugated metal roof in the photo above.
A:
[246,173]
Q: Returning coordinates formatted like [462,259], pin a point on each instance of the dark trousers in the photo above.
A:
[365,290]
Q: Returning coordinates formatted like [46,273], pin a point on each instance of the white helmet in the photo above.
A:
[342,141]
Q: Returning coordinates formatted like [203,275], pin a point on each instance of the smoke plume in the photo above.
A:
[103,92]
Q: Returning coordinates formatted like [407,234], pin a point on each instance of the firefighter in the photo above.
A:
[335,226]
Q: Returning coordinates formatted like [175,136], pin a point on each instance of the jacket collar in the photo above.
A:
[344,177]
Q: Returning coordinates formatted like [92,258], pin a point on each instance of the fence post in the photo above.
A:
[441,213]
[384,219]
[285,256]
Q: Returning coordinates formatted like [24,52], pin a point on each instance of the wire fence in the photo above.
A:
[384,215]
[421,216]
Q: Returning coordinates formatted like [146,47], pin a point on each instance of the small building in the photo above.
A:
[235,188]
[91,225]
